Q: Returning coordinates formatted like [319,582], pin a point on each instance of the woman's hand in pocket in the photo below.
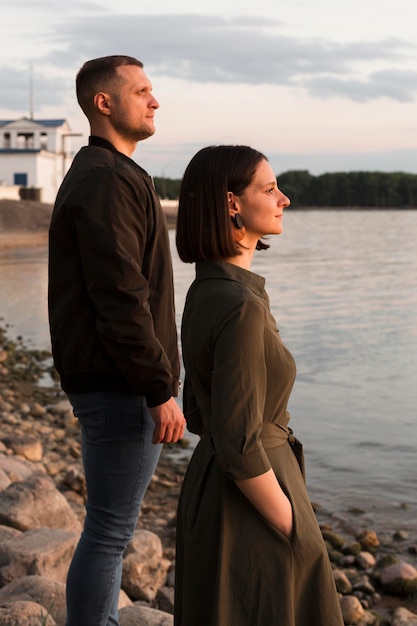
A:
[267,496]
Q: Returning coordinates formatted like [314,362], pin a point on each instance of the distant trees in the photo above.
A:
[350,189]
[339,189]
[167,188]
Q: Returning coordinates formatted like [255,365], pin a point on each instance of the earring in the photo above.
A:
[237,221]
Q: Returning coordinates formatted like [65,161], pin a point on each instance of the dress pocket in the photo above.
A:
[278,532]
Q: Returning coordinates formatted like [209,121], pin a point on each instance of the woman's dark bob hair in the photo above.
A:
[204,225]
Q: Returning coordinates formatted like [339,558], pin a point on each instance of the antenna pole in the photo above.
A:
[31,90]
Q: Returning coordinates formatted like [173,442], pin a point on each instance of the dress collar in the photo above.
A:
[228,271]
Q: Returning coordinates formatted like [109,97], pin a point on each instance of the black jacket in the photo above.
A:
[110,299]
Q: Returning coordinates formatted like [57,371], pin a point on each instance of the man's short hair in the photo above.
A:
[98,75]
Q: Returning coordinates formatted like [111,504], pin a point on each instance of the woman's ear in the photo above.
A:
[231,200]
[239,230]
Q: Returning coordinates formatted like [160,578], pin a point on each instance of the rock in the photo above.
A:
[403,617]
[144,568]
[6,532]
[400,535]
[28,447]
[61,408]
[23,613]
[145,545]
[145,616]
[165,599]
[365,560]
[141,581]
[368,539]
[37,410]
[44,552]
[387,559]
[352,548]
[124,600]
[19,469]
[335,556]
[4,480]
[343,584]
[75,480]
[352,609]
[336,541]
[381,618]
[36,503]
[367,620]
[363,584]
[399,579]
[48,593]
[171,577]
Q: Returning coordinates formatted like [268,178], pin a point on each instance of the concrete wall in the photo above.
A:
[44,171]
[9,192]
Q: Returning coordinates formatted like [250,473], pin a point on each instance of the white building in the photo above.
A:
[34,157]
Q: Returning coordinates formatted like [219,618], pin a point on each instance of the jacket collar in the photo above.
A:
[94,140]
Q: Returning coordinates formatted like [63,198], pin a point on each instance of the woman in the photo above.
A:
[249,550]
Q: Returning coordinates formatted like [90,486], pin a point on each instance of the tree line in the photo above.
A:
[338,189]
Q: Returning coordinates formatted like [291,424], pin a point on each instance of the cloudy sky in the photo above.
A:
[324,86]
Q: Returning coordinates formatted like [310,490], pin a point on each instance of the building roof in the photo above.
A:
[20,151]
[46,123]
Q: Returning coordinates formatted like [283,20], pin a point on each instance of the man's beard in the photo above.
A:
[128,132]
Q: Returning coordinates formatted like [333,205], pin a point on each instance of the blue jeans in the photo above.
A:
[119,460]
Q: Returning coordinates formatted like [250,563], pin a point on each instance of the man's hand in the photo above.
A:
[169,422]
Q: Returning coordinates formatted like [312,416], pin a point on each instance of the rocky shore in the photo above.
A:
[42,495]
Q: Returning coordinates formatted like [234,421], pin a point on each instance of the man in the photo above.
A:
[112,323]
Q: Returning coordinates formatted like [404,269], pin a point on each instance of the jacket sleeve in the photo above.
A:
[112,228]
[238,391]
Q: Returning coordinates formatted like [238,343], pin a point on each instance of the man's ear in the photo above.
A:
[102,103]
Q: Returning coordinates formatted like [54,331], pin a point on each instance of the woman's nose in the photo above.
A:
[284,201]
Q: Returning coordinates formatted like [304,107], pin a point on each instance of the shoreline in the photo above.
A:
[22,239]
[25,224]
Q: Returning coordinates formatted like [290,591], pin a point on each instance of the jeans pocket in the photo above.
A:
[90,409]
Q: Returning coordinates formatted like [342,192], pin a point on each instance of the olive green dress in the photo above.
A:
[232,567]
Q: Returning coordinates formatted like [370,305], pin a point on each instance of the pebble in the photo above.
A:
[352,609]
[365,560]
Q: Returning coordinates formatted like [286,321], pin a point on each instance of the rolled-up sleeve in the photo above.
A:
[238,390]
